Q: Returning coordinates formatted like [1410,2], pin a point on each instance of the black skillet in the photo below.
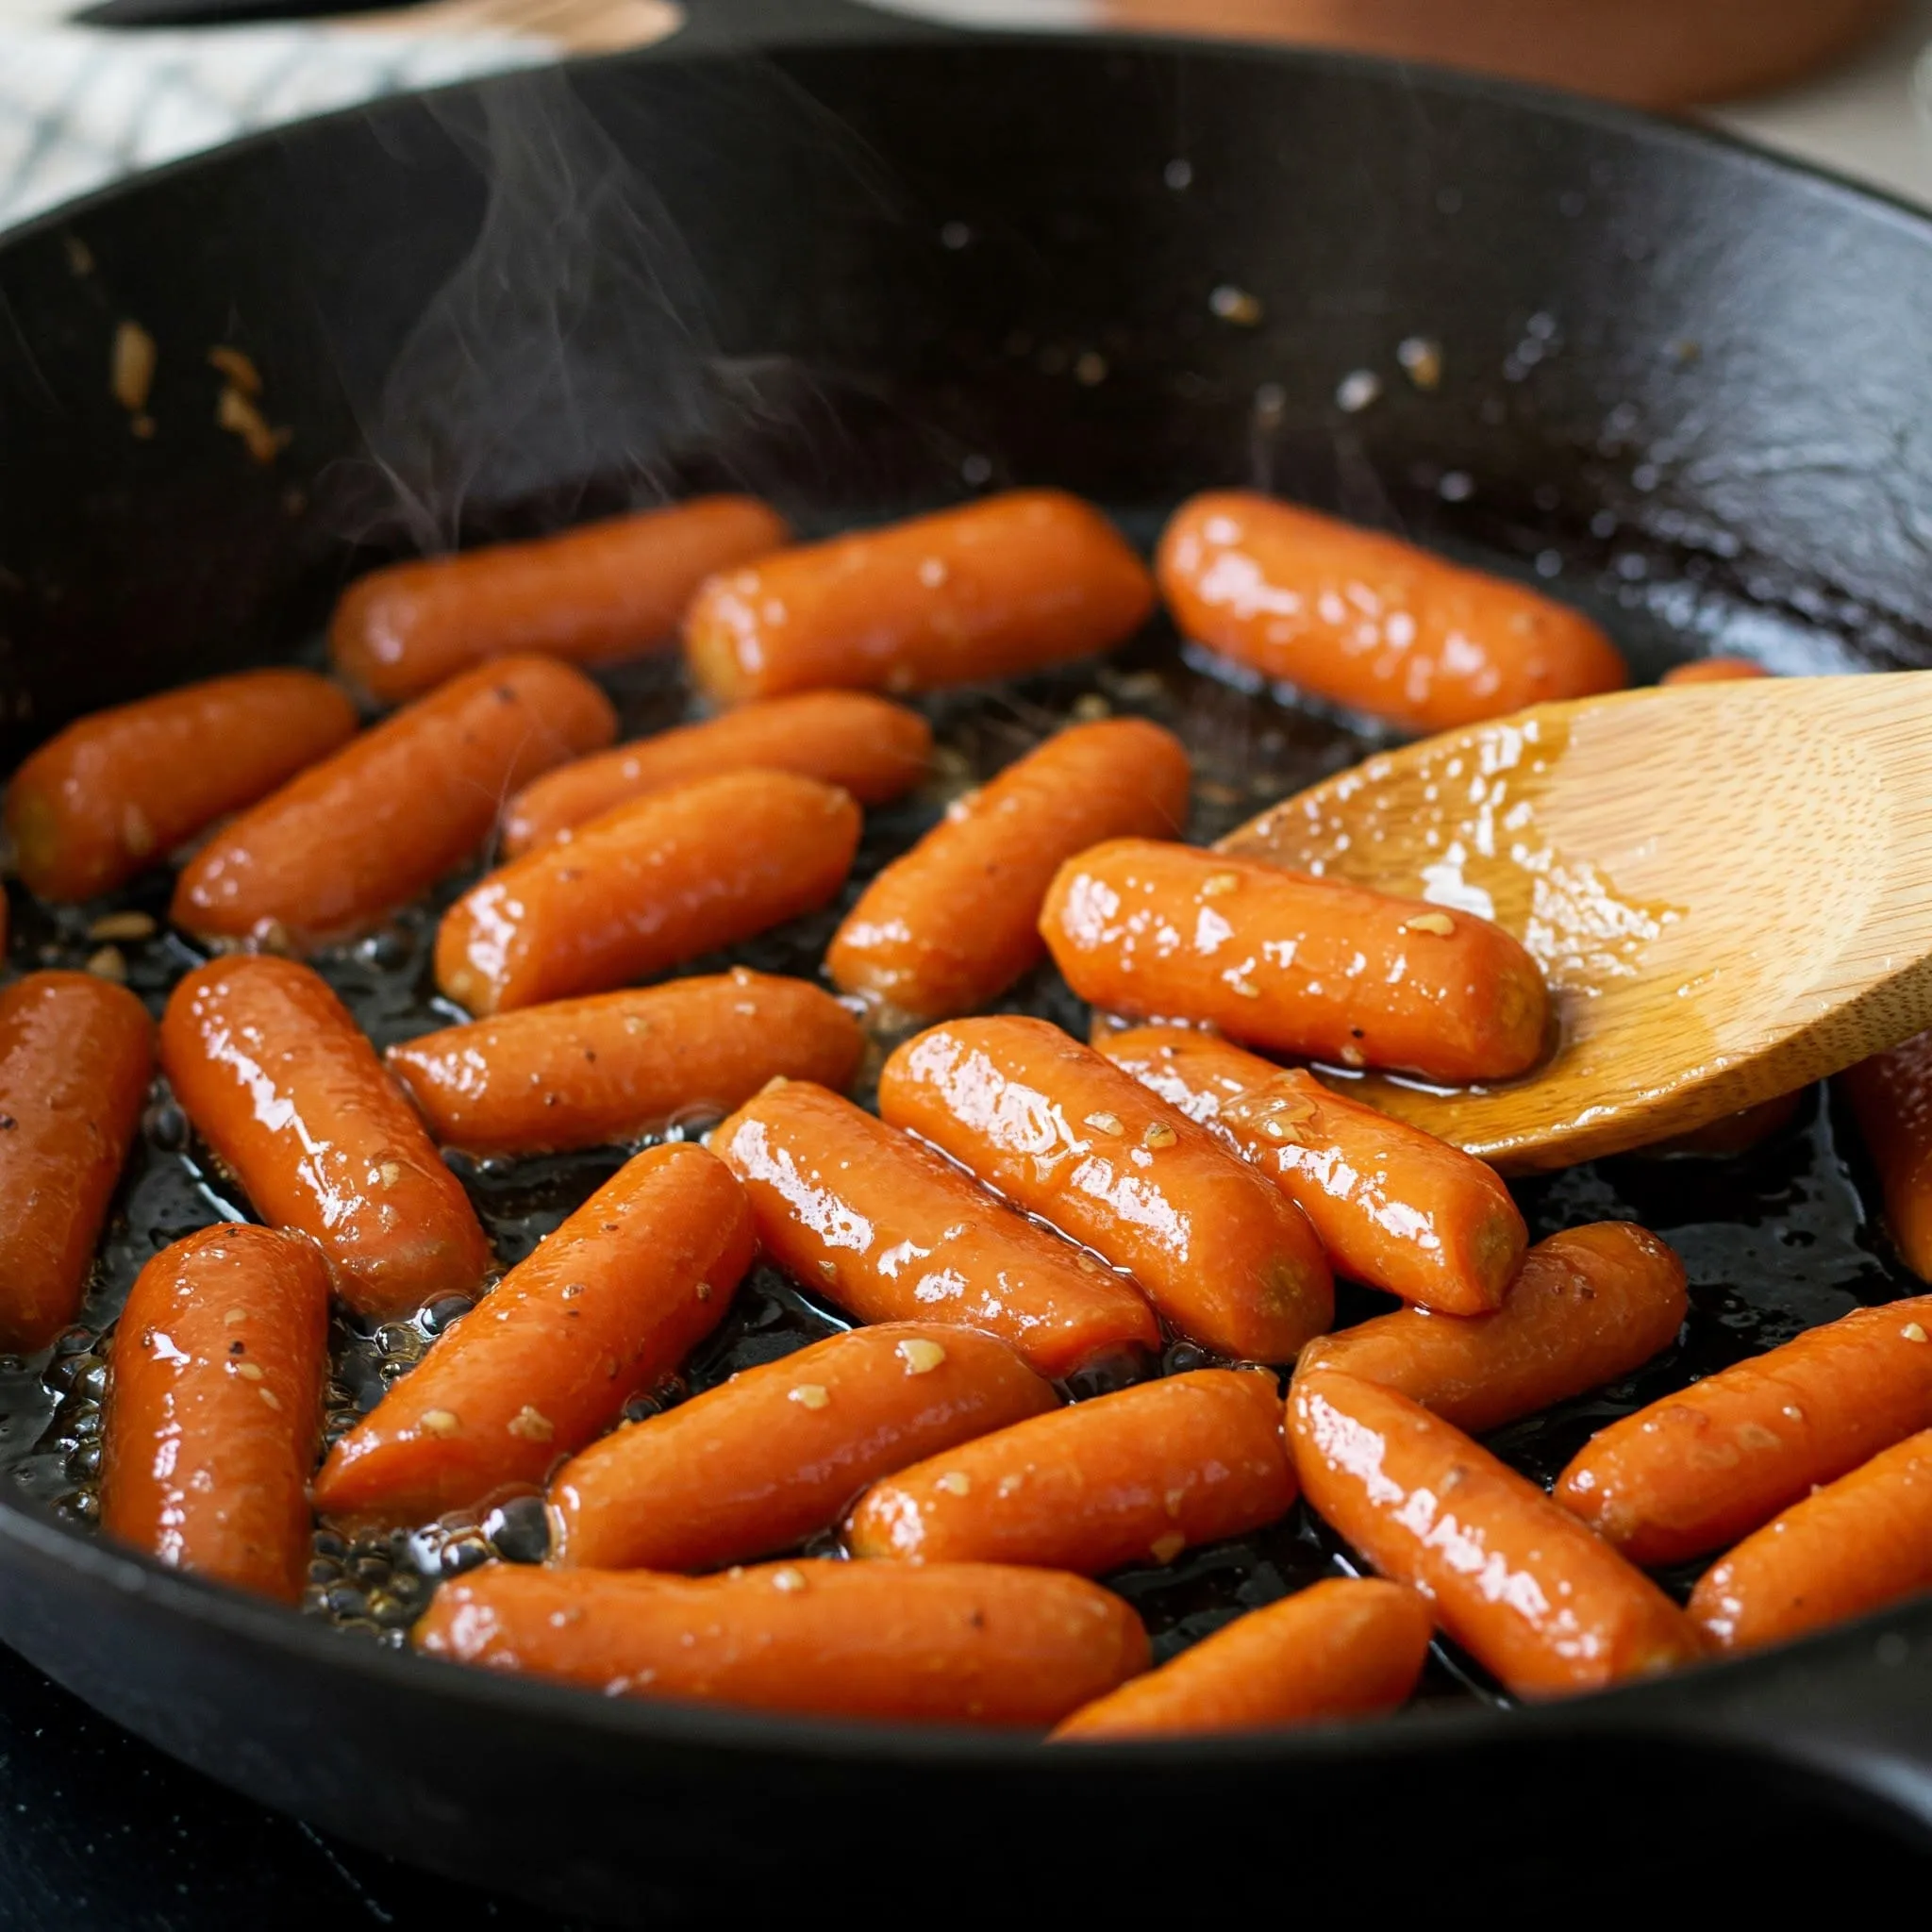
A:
[869,265]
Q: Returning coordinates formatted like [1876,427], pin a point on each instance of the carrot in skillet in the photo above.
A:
[1713,671]
[1732,1133]
[1134,1478]
[608,589]
[619,1065]
[891,1232]
[1525,1588]
[863,744]
[1067,1135]
[1892,1100]
[1700,1468]
[960,1643]
[1346,1647]
[118,790]
[1393,1205]
[76,1054]
[1294,964]
[953,923]
[608,1304]
[994,589]
[281,1084]
[214,1408]
[646,886]
[1586,1306]
[775,1453]
[1369,620]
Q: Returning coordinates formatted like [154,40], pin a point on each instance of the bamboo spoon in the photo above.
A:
[1728,886]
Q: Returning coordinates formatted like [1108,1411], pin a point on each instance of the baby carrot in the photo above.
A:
[1067,1135]
[1892,1101]
[1134,1478]
[1732,1133]
[604,591]
[608,1304]
[1346,1647]
[76,1054]
[863,744]
[1369,620]
[774,1455]
[994,589]
[116,791]
[1713,671]
[214,1408]
[279,1081]
[1393,1205]
[953,923]
[1700,1468]
[891,1232]
[958,1643]
[646,886]
[619,1065]
[1586,1306]
[1523,1587]
[366,830]
[1294,964]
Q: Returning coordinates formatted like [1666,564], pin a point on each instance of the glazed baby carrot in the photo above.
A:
[994,589]
[604,591]
[1523,1587]
[1854,1545]
[1393,1205]
[1134,1478]
[1294,964]
[117,791]
[1369,620]
[1892,1100]
[608,1304]
[1713,671]
[1732,1133]
[646,886]
[863,744]
[775,1453]
[1346,1647]
[619,1065]
[958,1643]
[366,830]
[279,1081]
[75,1057]
[214,1408]
[1700,1468]
[891,1232]
[954,922]
[1586,1306]
[1067,1135]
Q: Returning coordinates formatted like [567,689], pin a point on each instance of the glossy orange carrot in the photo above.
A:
[861,1213]
[618,1065]
[1347,1647]
[608,1304]
[279,1081]
[1369,620]
[1523,1587]
[958,1643]
[119,790]
[1298,965]
[775,1453]
[1731,1133]
[604,591]
[863,744]
[214,1408]
[1065,1135]
[1700,1468]
[1393,1205]
[954,922]
[646,886]
[1892,1100]
[994,589]
[366,830]
[75,1057]
[1586,1306]
[1713,671]
[1134,1478]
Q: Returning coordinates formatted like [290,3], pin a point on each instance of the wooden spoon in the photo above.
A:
[1728,886]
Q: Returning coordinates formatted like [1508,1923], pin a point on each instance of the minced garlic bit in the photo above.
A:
[809,1395]
[133,367]
[1164,1549]
[109,963]
[247,1371]
[829,1270]
[1351,1055]
[704,1290]
[532,1424]
[1421,357]
[1246,988]
[386,1176]
[1437,922]
[122,925]
[237,368]
[1159,1134]
[1090,707]
[234,411]
[956,1482]
[268,1395]
[235,1317]
[1217,883]
[789,1579]
[1105,1123]
[1912,1332]
[919,1355]
[439,1422]
[1234,305]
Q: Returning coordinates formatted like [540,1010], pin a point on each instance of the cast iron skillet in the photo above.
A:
[867,266]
